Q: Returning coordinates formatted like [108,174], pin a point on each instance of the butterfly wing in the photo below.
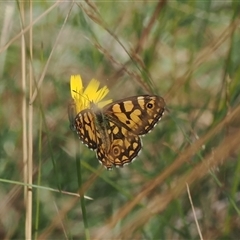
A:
[114,130]
[138,114]
[128,119]
[86,129]
[115,148]
[123,149]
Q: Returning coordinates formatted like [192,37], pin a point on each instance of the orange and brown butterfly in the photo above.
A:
[113,129]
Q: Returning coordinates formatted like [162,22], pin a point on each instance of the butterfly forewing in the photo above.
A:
[137,114]
[114,130]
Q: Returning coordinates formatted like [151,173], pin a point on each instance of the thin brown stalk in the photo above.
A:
[30,137]
[24,116]
[194,213]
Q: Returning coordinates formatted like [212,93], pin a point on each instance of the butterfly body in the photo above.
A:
[114,131]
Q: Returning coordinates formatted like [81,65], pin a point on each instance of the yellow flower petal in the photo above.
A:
[104,103]
[102,93]
[76,86]
[91,90]
[91,94]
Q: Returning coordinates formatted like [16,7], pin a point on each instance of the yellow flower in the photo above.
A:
[91,94]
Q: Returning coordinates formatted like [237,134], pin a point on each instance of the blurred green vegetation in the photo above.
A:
[185,51]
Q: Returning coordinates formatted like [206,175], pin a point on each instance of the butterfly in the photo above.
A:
[115,130]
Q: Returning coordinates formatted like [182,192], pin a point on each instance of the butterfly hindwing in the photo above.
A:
[123,148]
[86,129]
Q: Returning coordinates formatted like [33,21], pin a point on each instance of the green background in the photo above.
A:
[185,51]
